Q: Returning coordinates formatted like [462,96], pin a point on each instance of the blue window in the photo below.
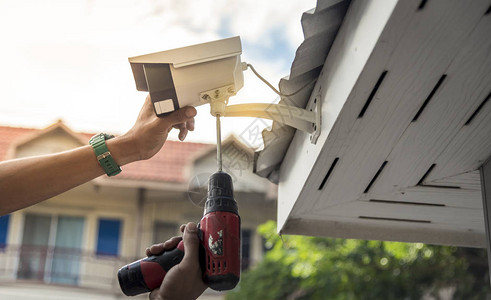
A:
[108,237]
[4,228]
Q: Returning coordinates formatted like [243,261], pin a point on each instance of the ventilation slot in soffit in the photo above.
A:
[422,183]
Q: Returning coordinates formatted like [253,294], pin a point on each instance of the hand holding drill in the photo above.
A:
[184,281]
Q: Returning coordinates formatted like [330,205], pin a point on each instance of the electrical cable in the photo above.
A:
[274,89]
[264,80]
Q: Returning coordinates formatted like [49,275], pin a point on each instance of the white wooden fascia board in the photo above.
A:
[400,224]
[355,41]
[452,217]
[339,227]
[431,195]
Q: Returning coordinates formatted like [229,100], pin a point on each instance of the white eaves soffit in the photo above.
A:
[406,123]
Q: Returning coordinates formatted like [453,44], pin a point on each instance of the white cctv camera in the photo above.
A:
[190,75]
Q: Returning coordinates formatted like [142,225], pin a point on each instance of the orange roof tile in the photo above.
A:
[9,135]
[169,165]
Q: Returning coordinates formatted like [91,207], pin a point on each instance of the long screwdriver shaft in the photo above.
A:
[219,145]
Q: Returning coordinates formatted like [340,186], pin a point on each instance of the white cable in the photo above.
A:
[246,65]
[264,80]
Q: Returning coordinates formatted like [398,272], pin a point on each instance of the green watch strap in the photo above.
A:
[98,143]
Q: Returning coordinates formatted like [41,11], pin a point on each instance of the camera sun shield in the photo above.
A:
[176,78]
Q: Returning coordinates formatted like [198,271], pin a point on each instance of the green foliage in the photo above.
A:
[299,267]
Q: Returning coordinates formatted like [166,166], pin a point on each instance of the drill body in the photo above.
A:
[219,233]
[220,227]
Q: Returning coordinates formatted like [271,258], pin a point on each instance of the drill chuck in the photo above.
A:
[220,194]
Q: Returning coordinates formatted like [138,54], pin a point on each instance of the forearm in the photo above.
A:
[27,181]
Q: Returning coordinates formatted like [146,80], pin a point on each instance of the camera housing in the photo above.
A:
[189,75]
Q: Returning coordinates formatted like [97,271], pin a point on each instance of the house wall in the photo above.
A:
[238,163]
[53,141]
[138,209]
[91,203]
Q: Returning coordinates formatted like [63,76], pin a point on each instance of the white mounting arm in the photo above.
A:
[307,120]
[298,118]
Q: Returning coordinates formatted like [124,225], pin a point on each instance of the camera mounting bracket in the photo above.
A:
[307,120]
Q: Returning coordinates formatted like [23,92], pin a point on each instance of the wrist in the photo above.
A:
[123,150]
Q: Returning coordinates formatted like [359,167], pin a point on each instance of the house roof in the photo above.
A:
[406,124]
[231,140]
[320,27]
[9,136]
[170,164]
[79,138]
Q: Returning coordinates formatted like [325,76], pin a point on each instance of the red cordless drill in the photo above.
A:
[219,243]
[220,246]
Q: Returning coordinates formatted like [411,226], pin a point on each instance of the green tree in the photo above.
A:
[299,267]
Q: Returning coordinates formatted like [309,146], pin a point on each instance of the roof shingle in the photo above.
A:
[168,165]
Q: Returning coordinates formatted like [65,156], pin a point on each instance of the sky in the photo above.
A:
[68,59]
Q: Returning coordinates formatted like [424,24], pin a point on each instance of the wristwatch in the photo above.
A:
[98,143]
